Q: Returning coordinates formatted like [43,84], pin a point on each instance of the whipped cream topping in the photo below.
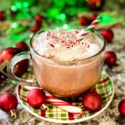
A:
[64,45]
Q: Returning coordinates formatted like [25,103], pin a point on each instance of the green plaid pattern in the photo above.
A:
[103,87]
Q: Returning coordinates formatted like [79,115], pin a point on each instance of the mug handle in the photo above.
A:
[12,63]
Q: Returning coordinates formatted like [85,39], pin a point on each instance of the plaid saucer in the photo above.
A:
[104,87]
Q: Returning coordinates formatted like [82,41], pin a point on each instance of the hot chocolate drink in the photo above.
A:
[64,64]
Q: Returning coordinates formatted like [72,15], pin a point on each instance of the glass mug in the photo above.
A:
[63,79]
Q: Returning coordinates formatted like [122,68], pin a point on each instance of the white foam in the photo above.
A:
[57,45]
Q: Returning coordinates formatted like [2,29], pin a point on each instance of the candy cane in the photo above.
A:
[90,27]
[63,104]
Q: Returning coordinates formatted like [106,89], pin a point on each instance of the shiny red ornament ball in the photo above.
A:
[39,19]
[8,102]
[36,98]
[95,4]
[35,28]
[110,58]
[121,107]
[107,34]
[8,53]
[92,101]
[83,21]
[22,45]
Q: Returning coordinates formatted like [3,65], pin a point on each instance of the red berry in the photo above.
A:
[8,102]
[95,4]
[2,17]
[39,19]
[121,107]
[22,45]
[107,34]
[92,101]
[7,54]
[83,21]
[110,58]
[36,98]
[35,28]
[21,67]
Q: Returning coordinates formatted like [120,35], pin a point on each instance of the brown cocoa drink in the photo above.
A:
[66,64]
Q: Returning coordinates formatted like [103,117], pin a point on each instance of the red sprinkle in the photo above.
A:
[51,45]
[83,43]
[63,41]
[78,41]
[68,45]
[88,46]
[76,31]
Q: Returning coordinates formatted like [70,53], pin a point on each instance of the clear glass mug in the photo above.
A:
[63,79]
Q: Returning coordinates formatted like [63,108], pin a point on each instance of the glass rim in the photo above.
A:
[73,61]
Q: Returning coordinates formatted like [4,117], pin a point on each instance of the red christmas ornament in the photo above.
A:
[84,21]
[121,107]
[39,19]
[7,54]
[107,34]
[95,4]
[2,16]
[36,98]
[21,67]
[8,103]
[22,45]
[110,58]
[92,101]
